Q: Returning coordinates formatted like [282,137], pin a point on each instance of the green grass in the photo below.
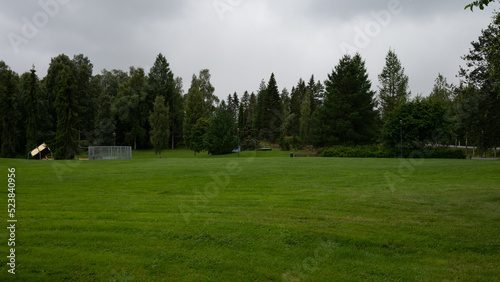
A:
[262,217]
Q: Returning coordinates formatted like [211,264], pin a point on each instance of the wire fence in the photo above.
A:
[110,153]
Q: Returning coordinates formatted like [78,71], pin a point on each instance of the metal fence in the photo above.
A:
[110,153]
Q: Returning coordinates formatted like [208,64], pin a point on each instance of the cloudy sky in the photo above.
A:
[243,41]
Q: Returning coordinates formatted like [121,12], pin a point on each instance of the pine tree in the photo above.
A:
[160,129]
[348,116]
[393,89]
[65,144]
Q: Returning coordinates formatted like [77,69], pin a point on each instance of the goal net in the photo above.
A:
[110,153]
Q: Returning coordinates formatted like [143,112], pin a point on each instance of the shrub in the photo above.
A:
[284,144]
[296,143]
[387,152]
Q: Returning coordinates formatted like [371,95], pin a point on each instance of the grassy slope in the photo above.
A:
[255,218]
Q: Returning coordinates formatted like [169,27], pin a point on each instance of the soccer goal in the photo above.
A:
[110,153]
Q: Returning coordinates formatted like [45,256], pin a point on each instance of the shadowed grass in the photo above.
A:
[262,217]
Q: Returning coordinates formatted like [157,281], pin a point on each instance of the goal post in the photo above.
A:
[110,153]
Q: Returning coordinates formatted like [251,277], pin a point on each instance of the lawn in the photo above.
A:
[264,216]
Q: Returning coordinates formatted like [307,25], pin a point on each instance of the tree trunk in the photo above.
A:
[160,155]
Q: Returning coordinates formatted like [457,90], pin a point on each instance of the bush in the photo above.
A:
[296,143]
[386,152]
[284,144]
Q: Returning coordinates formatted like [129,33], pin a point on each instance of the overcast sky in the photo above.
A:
[242,42]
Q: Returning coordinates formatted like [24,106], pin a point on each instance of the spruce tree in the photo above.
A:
[348,116]
[65,145]
[221,133]
[161,82]
[393,89]
[31,108]
[273,111]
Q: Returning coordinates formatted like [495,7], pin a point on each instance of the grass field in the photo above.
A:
[264,216]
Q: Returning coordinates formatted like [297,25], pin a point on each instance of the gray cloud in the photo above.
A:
[243,42]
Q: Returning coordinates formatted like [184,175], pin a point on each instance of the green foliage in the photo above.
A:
[442,91]
[423,122]
[50,83]
[258,119]
[65,145]
[306,117]
[195,110]
[297,99]
[132,109]
[9,89]
[284,144]
[207,90]
[268,119]
[482,108]
[86,96]
[198,135]
[348,115]
[161,82]
[160,125]
[296,143]
[370,151]
[481,4]
[31,86]
[393,89]
[105,128]
[317,90]
[221,137]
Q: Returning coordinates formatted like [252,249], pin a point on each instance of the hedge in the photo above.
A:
[386,152]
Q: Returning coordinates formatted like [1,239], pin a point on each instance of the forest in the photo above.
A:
[72,108]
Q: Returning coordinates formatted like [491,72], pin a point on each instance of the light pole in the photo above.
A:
[401,132]
[239,148]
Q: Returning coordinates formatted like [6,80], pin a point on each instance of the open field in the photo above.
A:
[261,217]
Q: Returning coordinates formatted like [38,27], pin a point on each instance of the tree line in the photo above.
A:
[71,108]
